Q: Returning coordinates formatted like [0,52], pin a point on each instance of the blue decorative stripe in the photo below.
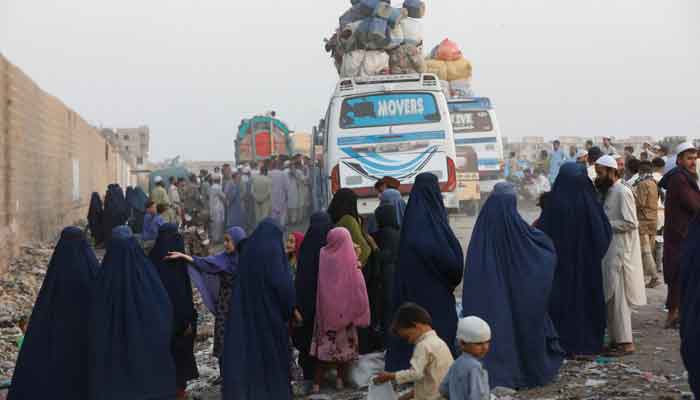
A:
[374,167]
[390,138]
[489,161]
[493,139]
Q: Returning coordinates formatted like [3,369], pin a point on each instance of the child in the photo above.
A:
[431,357]
[467,380]
[152,221]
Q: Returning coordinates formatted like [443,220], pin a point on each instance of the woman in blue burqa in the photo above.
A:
[507,281]
[429,268]
[136,200]
[306,284]
[256,350]
[116,210]
[94,218]
[173,274]
[53,360]
[131,327]
[690,306]
[213,276]
[574,219]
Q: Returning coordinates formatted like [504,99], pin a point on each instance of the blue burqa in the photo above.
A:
[306,285]
[234,208]
[429,268]
[507,281]
[574,219]
[173,275]
[393,197]
[136,200]
[116,210]
[131,327]
[53,361]
[95,218]
[690,306]
[256,348]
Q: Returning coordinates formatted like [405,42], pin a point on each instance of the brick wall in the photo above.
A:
[51,160]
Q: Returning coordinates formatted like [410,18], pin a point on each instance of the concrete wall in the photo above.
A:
[51,160]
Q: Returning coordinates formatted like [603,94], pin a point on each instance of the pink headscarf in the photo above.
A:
[298,240]
[342,295]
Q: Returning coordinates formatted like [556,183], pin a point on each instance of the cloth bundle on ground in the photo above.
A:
[364,63]
[512,264]
[53,361]
[131,327]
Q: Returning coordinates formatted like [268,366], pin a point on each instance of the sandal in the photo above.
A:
[619,352]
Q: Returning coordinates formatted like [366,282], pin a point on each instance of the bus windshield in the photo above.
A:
[388,109]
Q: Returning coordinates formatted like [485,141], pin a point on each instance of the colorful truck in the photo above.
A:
[261,137]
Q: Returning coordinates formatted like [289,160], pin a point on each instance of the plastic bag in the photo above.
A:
[412,31]
[459,70]
[364,369]
[447,50]
[384,391]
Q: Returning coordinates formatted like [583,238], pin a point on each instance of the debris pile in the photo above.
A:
[19,286]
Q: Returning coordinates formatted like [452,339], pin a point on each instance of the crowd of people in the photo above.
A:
[532,294]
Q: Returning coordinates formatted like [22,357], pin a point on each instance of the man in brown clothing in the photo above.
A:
[646,192]
[682,204]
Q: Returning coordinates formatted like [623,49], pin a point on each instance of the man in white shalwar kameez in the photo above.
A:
[280,193]
[623,273]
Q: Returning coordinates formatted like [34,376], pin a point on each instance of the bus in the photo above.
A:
[387,125]
[476,126]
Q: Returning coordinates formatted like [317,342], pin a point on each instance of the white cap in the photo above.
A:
[473,330]
[581,153]
[607,161]
[685,147]
[158,179]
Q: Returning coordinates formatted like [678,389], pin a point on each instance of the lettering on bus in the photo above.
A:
[389,109]
[400,107]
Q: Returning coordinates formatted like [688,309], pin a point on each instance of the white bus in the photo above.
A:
[475,126]
[392,125]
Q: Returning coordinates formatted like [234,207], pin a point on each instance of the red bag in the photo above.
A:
[447,50]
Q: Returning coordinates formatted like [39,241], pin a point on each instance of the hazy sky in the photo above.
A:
[192,69]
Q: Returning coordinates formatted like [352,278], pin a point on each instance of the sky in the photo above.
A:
[190,70]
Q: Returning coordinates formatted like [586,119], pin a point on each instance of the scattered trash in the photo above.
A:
[594,382]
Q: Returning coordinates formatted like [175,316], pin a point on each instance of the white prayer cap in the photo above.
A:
[158,179]
[607,161]
[473,330]
[581,153]
[683,147]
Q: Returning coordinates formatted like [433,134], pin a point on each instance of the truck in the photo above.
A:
[261,137]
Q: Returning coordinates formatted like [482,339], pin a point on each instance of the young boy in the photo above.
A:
[431,356]
[467,379]
[152,221]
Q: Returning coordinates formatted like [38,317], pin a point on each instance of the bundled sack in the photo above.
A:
[396,38]
[392,15]
[364,63]
[367,7]
[406,59]
[461,89]
[415,8]
[348,38]
[412,31]
[353,14]
[437,67]
[372,34]
[460,69]
[447,50]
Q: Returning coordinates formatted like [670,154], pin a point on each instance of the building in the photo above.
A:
[135,142]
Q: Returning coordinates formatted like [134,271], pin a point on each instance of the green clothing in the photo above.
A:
[160,196]
[352,225]
[20,341]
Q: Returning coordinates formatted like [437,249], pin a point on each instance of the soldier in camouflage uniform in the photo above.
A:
[196,220]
